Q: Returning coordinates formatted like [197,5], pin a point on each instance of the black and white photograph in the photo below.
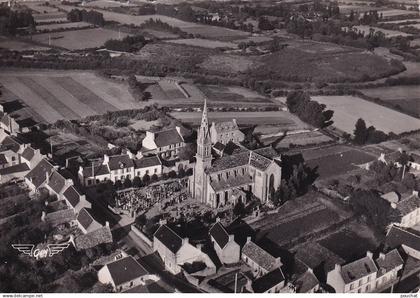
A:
[209,146]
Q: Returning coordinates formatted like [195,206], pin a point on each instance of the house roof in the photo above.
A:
[3,159]
[226,126]
[358,269]
[60,217]
[219,234]
[10,143]
[146,162]
[94,238]
[125,270]
[389,261]
[408,205]
[57,182]
[392,197]
[85,218]
[72,196]
[168,238]
[219,146]
[268,152]
[398,236]
[28,153]
[38,174]
[98,170]
[267,281]
[167,137]
[22,167]
[120,161]
[306,282]
[259,256]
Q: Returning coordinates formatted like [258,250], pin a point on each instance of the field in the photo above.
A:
[64,26]
[388,33]
[230,94]
[406,97]
[53,16]
[160,34]
[298,139]
[55,95]
[280,118]
[107,4]
[78,39]
[18,45]
[333,161]
[205,43]
[203,30]
[348,109]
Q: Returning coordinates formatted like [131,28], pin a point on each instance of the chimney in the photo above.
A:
[139,155]
[199,246]
[217,219]
[278,262]
[68,182]
[310,270]
[106,159]
[130,154]
[248,239]
[393,205]
[107,224]
[47,177]
[382,256]
[415,193]
[369,254]
[231,238]
[337,267]
[150,135]
[43,216]
[400,150]
[178,129]
[234,121]
[162,222]
[185,240]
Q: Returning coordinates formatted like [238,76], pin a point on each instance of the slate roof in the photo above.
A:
[94,238]
[219,146]
[60,217]
[98,170]
[229,162]
[3,159]
[38,174]
[57,182]
[390,261]
[267,281]
[219,234]
[15,169]
[120,161]
[306,282]
[397,237]
[258,161]
[358,269]
[85,218]
[9,143]
[231,182]
[226,126]
[167,137]
[408,205]
[146,162]
[72,196]
[168,238]
[259,256]
[28,153]
[268,152]
[125,270]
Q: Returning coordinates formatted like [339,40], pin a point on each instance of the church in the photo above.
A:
[226,178]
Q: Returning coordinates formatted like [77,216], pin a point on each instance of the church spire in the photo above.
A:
[204,120]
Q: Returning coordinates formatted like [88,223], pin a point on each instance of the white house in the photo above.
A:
[228,251]
[225,132]
[409,209]
[166,143]
[407,240]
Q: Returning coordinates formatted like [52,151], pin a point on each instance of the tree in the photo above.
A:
[154,178]
[137,181]
[127,183]
[118,184]
[188,151]
[239,209]
[146,179]
[172,174]
[360,132]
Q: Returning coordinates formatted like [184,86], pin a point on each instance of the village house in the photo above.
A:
[272,282]
[176,251]
[415,162]
[409,241]
[165,143]
[225,132]
[356,277]
[389,265]
[260,261]
[10,150]
[409,210]
[123,274]
[120,167]
[37,177]
[86,222]
[307,282]
[227,250]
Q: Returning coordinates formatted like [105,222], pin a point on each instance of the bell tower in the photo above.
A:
[203,157]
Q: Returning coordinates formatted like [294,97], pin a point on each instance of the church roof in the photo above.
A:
[231,182]
[229,161]
[225,126]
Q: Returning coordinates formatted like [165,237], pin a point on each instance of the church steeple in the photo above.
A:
[203,138]
[204,120]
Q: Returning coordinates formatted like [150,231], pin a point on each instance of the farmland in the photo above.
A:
[298,139]
[19,45]
[405,97]
[203,30]
[279,118]
[382,118]
[388,33]
[78,39]
[65,26]
[66,94]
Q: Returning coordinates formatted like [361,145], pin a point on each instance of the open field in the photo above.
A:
[401,21]
[160,34]
[18,45]
[388,33]
[232,94]
[78,39]
[406,97]
[205,43]
[193,28]
[333,161]
[56,95]
[64,26]
[49,16]
[107,4]
[298,139]
[348,109]
[279,118]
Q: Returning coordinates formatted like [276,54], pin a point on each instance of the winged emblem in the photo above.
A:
[27,249]
[57,248]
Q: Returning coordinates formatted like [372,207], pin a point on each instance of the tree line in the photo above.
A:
[93,17]
[11,20]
